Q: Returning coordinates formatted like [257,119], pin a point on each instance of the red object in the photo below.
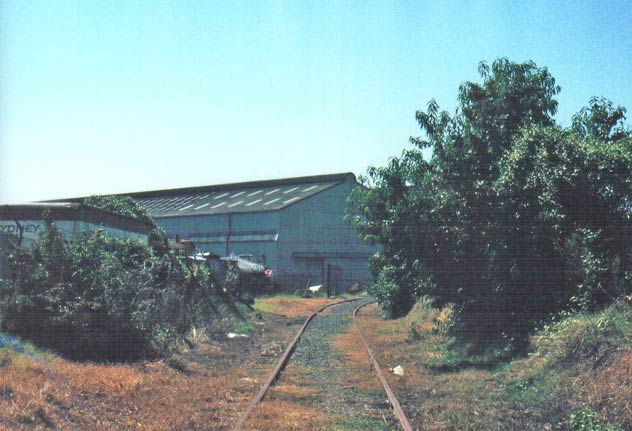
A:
[268,273]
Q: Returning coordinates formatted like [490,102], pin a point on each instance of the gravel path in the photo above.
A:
[318,364]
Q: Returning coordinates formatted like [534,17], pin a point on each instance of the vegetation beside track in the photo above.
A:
[102,298]
[576,376]
[201,387]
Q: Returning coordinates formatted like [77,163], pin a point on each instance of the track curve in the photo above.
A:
[399,413]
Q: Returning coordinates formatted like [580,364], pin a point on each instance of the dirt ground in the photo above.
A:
[204,388]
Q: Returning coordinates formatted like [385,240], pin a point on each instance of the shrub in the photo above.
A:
[395,300]
[103,298]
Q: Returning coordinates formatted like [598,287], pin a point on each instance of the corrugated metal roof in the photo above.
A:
[253,196]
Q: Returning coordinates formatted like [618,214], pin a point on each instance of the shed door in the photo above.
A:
[333,279]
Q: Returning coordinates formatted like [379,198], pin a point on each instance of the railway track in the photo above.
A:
[310,345]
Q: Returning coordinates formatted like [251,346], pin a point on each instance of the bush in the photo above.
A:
[103,298]
[390,290]
[581,336]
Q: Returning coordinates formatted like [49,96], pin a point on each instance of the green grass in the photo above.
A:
[455,356]
[363,423]
[20,353]
[262,305]
[585,419]
[243,327]
[457,420]
[524,393]
[279,295]
[17,345]
[265,307]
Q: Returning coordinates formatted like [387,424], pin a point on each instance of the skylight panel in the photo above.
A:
[254,193]
[291,200]
[218,205]
[291,190]
[186,207]
[235,204]
[237,194]
[254,202]
[272,201]
[202,206]
[309,188]
[272,191]
[220,196]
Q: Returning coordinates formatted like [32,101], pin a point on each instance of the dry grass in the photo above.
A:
[288,404]
[357,363]
[66,395]
[294,392]
[291,404]
[283,415]
[609,389]
[217,380]
[210,388]
[468,399]
[207,388]
[291,306]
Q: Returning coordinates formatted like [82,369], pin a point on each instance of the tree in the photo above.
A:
[488,223]
[601,120]
[567,200]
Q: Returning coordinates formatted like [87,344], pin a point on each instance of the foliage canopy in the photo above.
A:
[513,217]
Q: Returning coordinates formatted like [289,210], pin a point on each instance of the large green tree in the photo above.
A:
[489,223]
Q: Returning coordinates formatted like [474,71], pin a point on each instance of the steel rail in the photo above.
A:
[397,408]
[280,365]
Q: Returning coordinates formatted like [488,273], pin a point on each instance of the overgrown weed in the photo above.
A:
[578,360]
[587,358]
[582,336]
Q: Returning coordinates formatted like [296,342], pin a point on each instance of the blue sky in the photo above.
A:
[106,97]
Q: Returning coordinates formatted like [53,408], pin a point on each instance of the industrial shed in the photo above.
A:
[293,226]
